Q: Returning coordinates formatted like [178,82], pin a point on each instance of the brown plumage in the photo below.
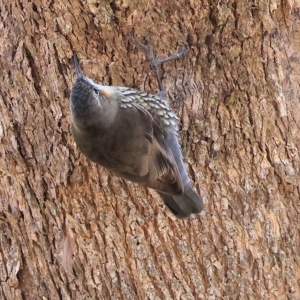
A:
[134,135]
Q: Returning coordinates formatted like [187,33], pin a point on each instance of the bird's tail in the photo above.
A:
[183,206]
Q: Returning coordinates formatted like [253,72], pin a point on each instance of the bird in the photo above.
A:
[133,134]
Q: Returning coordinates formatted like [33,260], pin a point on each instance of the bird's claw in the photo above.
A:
[155,62]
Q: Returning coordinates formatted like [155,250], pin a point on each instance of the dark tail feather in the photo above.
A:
[184,205]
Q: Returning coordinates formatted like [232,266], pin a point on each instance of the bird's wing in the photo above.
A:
[162,171]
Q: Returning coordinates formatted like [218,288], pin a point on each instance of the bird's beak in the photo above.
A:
[77,67]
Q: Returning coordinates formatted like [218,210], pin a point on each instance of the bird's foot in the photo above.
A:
[155,62]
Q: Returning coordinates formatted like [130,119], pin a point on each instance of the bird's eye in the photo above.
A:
[96,92]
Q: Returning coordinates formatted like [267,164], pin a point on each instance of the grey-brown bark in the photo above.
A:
[236,91]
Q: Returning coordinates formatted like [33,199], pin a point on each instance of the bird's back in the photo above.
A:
[133,148]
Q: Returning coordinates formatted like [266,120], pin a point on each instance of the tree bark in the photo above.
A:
[72,230]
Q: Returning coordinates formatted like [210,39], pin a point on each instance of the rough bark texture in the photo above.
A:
[237,93]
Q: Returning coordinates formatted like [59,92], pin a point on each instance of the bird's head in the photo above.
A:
[85,89]
[93,101]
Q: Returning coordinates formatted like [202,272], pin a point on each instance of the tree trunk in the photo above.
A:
[72,230]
